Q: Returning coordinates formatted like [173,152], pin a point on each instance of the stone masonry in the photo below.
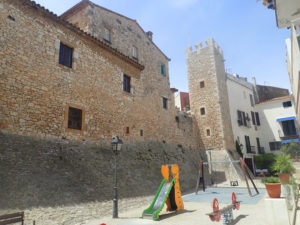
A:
[36,91]
[59,175]
[67,182]
[205,65]
[49,169]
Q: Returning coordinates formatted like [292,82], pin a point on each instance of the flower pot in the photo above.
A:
[273,189]
[284,177]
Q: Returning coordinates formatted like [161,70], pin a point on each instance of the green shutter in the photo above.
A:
[162,69]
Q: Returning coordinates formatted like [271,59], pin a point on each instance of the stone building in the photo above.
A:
[230,110]
[98,75]
[65,89]
[209,96]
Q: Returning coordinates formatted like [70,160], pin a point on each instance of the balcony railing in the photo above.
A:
[289,136]
[251,149]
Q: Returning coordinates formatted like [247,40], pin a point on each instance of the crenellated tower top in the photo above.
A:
[209,43]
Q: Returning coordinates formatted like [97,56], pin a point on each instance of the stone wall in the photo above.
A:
[205,64]
[36,91]
[56,181]
[126,33]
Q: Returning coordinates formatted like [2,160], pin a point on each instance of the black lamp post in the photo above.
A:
[116,145]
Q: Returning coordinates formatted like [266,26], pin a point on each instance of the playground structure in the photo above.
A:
[226,212]
[245,171]
[168,192]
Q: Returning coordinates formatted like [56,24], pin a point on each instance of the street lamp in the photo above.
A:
[116,145]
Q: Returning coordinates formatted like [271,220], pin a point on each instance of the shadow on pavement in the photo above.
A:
[165,216]
[238,218]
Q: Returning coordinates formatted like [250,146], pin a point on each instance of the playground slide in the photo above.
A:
[159,200]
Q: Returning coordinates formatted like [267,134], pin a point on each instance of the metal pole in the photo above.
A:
[115,200]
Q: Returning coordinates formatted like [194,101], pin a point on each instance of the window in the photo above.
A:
[162,69]
[202,111]
[165,103]
[75,118]
[248,145]
[65,55]
[289,128]
[251,100]
[141,133]
[126,130]
[257,119]
[208,132]
[106,36]
[126,83]
[242,118]
[134,52]
[275,145]
[253,118]
[287,104]
[202,84]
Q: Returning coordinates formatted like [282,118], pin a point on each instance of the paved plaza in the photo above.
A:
[252,210]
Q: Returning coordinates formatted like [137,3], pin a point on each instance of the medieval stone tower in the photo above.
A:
[208,95]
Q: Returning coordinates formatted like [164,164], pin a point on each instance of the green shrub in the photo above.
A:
[283,164]
[270,180]
[264,161]
[292,149]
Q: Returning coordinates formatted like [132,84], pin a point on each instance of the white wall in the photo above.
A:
[239,99]
[177,101]
[295,66]
[269,112]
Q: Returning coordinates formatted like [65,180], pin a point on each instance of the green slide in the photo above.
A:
[159,200]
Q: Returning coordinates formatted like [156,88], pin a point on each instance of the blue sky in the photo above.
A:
[244,29]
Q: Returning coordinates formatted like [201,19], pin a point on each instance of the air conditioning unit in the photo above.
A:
[255,127]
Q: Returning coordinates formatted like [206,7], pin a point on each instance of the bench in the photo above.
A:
[12,218]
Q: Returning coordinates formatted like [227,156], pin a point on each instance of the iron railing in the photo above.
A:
[251,149]
[293,135]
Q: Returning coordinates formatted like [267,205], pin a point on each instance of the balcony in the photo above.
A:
[251,150]
[289,135]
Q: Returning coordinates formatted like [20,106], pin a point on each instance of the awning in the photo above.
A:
[286,118]
[289,141]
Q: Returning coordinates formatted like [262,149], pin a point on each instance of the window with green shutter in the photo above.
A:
[162,69]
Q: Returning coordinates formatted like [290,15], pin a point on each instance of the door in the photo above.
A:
[249,163]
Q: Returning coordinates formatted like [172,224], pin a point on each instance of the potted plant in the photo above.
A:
[283,166]
[273,186]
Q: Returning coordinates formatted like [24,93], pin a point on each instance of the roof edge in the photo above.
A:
[76,29]
[84,3]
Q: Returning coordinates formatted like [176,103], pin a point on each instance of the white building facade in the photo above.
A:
[245,118]
[278,123]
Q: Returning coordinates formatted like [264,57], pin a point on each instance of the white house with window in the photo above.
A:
[288,16]
[262,126]
[278,123]
[245,117]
